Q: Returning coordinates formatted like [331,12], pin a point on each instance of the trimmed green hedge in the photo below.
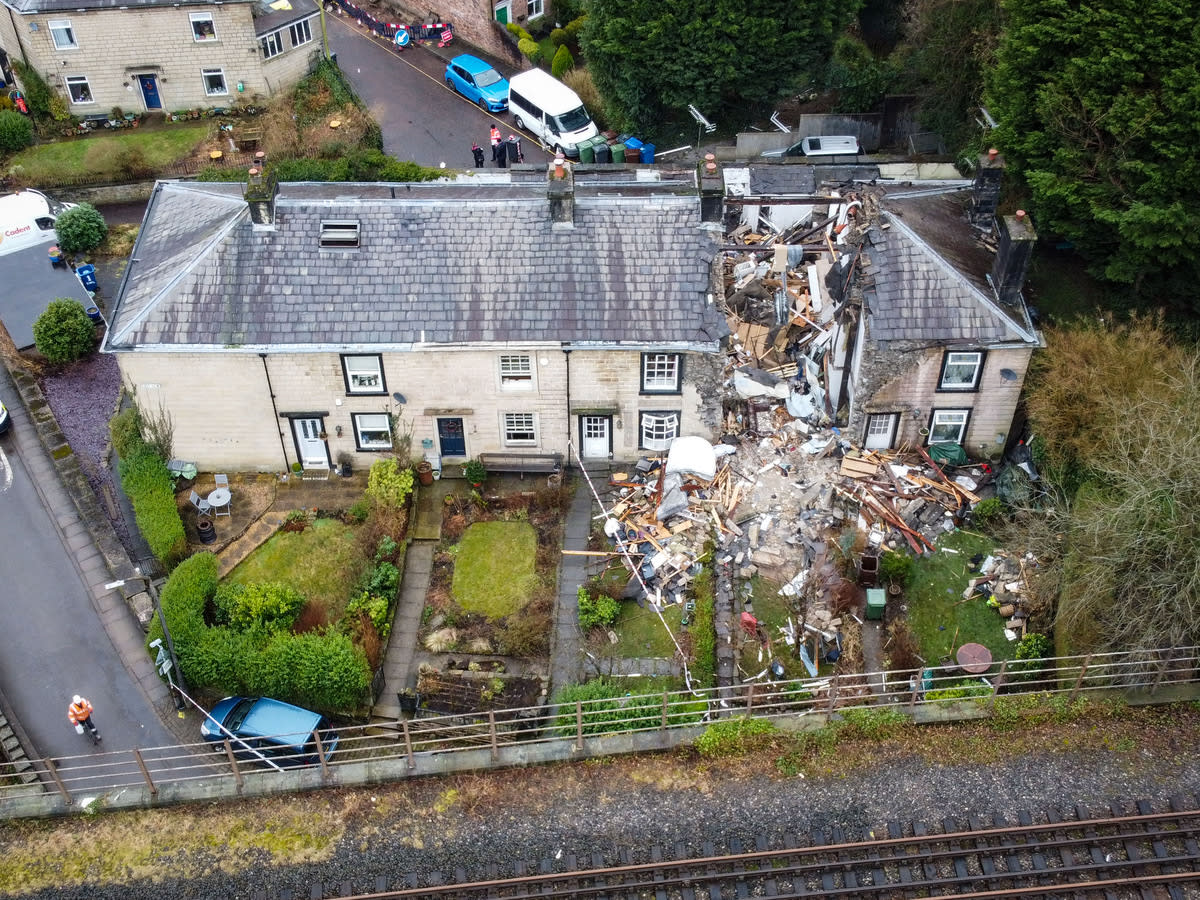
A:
[147,482]
[321,670]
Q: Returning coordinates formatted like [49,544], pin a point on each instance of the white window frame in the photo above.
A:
[377,423]
[661,373]
[205,74]
[198,18]
[516,372]
[945,418]
[519,429]
[658,428]
[956,360]
[74,81]
[536,9]
[62,26]
[360,370]
[300,28]
[272,44]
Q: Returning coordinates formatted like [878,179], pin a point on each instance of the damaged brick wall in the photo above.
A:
[705,372]
[473,23]
[883,382]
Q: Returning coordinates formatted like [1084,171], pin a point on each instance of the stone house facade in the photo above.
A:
[161,55]
[487,315]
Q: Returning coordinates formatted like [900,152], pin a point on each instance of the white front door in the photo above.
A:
[880,431]
[313,454]
[595,431]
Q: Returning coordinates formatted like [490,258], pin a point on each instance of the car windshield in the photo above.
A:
[574,120]
[488,78]
[237,715]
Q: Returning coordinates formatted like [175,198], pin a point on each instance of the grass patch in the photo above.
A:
[934,610]
[102,154]
[322,562]
[494,569]
[641,631]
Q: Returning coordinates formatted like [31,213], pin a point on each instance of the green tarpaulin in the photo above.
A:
[948,452]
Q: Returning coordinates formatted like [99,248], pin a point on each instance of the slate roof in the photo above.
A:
[928,282]
[444,263]
[32,7]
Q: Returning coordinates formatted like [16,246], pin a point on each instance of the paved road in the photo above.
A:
[420,117]
[52,642]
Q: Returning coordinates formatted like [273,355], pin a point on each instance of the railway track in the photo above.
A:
[1131,850]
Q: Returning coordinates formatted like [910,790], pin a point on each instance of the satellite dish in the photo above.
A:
[399,398]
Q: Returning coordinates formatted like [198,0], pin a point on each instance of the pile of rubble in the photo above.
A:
[1003,582]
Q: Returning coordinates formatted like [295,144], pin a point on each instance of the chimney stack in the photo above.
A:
[260,197]
[1014,249]
[712,191]
[561,192]
[985,192]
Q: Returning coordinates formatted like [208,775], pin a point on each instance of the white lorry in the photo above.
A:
[27,219]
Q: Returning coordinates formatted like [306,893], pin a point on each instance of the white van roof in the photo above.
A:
[829,144]
[23,206]
[551,94]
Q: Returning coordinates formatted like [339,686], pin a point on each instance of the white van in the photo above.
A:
[27,218]
[550,110]
[819,145]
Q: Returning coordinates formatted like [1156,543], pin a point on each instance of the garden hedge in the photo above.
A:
[148,484]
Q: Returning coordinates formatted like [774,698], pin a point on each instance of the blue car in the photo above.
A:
[269,731]
[478,82]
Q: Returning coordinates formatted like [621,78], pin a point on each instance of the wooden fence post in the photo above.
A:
[749,688]
[996,685]
[321,756]
[408,750]
[233,763]
[492,734]
[1079,681]
[833,692]
[53,770]
[137,754]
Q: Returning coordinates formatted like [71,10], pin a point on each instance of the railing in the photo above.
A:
[363,752]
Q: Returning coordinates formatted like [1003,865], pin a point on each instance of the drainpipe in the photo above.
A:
[274,409]
[567,356]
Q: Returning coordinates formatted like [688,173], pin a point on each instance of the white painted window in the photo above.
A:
[79,89]
[960,371]
[372,431]
[520,429]
[658,429]
[364,374]
[537,8]
[214,82]
[300,33]
[949,426]
[660,373]
[516,372]
[63,34]
[272,44]
[203,27]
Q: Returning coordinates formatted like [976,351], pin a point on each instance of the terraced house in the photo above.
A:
[508,314]
[158,54]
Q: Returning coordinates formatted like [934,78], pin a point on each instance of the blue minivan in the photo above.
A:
[270,731]
[478,82]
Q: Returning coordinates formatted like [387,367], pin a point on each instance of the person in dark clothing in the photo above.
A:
[513,147]
[477,152]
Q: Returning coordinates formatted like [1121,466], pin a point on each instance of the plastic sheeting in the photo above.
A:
[692,455]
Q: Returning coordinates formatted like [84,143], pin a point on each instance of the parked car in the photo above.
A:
[478,82]
[270,730]
[5,421]
[819,145]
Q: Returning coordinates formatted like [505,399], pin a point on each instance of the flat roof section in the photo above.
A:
[34,284]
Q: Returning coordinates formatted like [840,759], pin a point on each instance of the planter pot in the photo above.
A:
[425,473]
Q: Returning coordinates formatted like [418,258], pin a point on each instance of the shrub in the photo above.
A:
[375,606]
[596,611]
[37,92]
[731,737]
[16,131]
[388,483]
[964,690]
[527,633]
[265,606]
[562,63]
[558,37]
[1034,646]
[386,549]
[321,670]
[896,568]
[518,32]
[384,580]
[125,430]
[80,229]
[64,333]
[131,162]
[610,707]
[530,50]
[147,482]
[574,27]
[475,471]
[989,512]
[359,511]
[183,598]
[580,81]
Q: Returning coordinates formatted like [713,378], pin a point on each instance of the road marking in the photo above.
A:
[6,474]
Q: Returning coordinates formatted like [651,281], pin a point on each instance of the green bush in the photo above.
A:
[388,483]
[990,511]
[263,606]
[147,483]
[125,431]
[596,611]
[80,229]
[183,599]
[475,471]
[559,36]
[530,50]
[16,131]
[320,670]
[574,27]
[384,579]
[562,62]
[518,32]
[964,690]
[896,568]
[610,708]
[375,606]
[37,93]
[359,510]
[732,737]
[64,333]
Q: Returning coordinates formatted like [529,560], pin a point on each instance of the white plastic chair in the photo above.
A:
[200,503]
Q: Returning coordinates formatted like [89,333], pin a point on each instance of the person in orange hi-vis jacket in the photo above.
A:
[80,714]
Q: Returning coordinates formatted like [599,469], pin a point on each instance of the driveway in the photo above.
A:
[422,120]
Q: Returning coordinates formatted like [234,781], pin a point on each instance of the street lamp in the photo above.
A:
[171,662]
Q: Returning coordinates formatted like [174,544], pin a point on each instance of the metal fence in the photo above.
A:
[1138,674]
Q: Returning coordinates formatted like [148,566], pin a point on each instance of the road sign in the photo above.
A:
[403,38]
[162,661]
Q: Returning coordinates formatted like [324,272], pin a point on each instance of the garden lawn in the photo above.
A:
[102,153]
[322,562]
[641,634]
[773,610]
[934,610]
[494,568]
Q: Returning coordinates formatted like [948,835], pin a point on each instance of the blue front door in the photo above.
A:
[149,85]
[451,437]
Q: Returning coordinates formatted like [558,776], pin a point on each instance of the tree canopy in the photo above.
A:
[1099,108]
[729,58]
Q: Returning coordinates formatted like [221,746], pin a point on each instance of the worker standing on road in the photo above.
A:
[80,714]
[477,153]
[496,148]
